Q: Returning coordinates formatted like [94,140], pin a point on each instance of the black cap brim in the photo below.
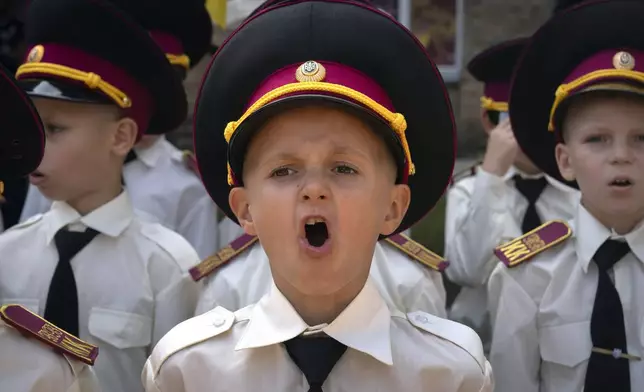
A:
[552,54]
[291,33]
[101,29]
[22,139]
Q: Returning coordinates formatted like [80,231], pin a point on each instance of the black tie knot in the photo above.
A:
[530,188]
[315,357]
[610,253]
[69,243]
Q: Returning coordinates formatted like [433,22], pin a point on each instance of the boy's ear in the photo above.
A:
[400,199]
[564,162]
[238,200]
[125,136]
[485,121]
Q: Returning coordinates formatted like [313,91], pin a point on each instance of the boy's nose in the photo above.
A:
[315,188]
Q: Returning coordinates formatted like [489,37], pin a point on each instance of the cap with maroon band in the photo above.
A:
[182,28]
[22,138]
[493,67]
[90,51]
[310,53]
[593,46]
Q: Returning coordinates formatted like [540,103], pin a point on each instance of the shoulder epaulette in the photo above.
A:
[418,252]
[187,334]
[459,334]
[469,172]
[32,325]
[191,161]
[222,256]
[532,243]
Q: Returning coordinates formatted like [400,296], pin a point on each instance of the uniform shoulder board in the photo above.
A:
[469,172]
[32,325]
[190,161]
[189,333]
[532,243]
[418,252]
[222,256]
[459,334]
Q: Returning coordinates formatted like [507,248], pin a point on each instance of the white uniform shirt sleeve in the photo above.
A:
[198,223]
[35,203]
[474,225]
[515,340]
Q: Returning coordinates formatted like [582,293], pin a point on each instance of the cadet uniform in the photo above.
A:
[25,364]
[543,299]
[130,284]
[162,182]
[484,210]
[303,51]
[407,275]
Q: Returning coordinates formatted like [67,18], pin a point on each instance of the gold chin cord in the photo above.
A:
[1,192]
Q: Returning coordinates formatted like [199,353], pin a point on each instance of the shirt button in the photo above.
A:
[218,322]
[422,319]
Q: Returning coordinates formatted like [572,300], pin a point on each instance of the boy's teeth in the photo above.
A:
[312,221]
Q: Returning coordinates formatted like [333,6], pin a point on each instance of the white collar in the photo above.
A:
[112,218]
[150,155]
[590,234]
[364,325]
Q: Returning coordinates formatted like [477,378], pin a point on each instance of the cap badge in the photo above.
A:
[311,71]
[35,54]
[623,60]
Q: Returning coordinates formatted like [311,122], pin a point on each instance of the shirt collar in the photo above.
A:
[509,176]
[591,234]
[151,155]
[110,219]
[364,325]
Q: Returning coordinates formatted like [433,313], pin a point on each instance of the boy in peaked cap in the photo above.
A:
[26,364]
[313,141]
[160,178]
[90,265]
[504,197]
[566,306]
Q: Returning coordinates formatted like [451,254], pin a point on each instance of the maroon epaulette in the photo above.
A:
[532,243]
[469,172]
[222,256]
[191,161]
[32,325]
[418,252]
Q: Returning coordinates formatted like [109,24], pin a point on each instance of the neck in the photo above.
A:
[91,200]
[320,309]
[622,223]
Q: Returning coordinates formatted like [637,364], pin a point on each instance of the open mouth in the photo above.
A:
[316,232]
[621,182]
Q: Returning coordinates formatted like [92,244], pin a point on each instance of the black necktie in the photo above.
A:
[608,372]
[531,189]
[316,357]
[62,298]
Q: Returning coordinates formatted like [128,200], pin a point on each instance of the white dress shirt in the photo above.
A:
[132,281]
[387,351]
[161,185]
[542,309]
[484,211]
[404,283]
[27,365]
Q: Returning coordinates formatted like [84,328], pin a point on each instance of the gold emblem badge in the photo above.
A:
[623,60]
[35,54]
[311,71]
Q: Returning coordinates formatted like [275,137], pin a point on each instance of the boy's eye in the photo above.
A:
[281,172]
[596,139]
[640,138]
[53,128]
[344,169]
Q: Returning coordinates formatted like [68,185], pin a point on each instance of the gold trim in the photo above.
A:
[565,89]
[180,60]
[222,256]
[92,80]
[396,121]
[488,103]
[412,248]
